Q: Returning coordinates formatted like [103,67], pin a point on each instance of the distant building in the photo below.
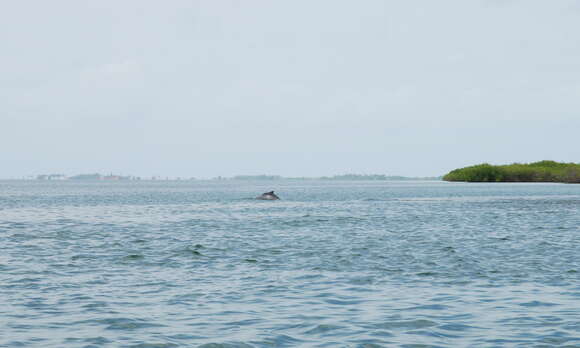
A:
[51,177]
[111,177]
[117,177]
[95,176]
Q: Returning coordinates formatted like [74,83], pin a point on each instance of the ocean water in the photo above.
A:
[333,264]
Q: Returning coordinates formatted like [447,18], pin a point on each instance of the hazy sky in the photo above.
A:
[296,88]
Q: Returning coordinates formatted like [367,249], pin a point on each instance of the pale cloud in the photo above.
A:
[112,75]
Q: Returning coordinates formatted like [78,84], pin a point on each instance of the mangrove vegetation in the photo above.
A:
[543,171]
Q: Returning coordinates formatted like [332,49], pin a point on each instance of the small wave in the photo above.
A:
[128,324]
[537,304]
[343,302]
[154,345]
[436,307]
[133,257]
[226,345]
[405,325]
[455,327]
[323,329]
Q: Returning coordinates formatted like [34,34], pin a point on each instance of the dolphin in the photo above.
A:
[268,196]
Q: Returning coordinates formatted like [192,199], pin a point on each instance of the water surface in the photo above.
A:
[333,264]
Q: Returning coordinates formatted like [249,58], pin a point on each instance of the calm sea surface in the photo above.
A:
[333,264]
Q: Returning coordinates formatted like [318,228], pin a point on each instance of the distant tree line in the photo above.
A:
[257,177]
[543,171]
[375,177]
[356,177]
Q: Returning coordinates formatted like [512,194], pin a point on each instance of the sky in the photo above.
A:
[293,88]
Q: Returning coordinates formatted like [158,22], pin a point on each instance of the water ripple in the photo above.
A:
[357,264]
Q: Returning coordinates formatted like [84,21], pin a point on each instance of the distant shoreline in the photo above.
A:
[543,171]
[108,178]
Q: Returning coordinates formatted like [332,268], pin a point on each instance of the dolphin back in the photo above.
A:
[268,196]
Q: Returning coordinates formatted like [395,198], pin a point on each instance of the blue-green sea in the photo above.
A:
[332,264]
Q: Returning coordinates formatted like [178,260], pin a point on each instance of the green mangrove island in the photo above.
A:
[543,171]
